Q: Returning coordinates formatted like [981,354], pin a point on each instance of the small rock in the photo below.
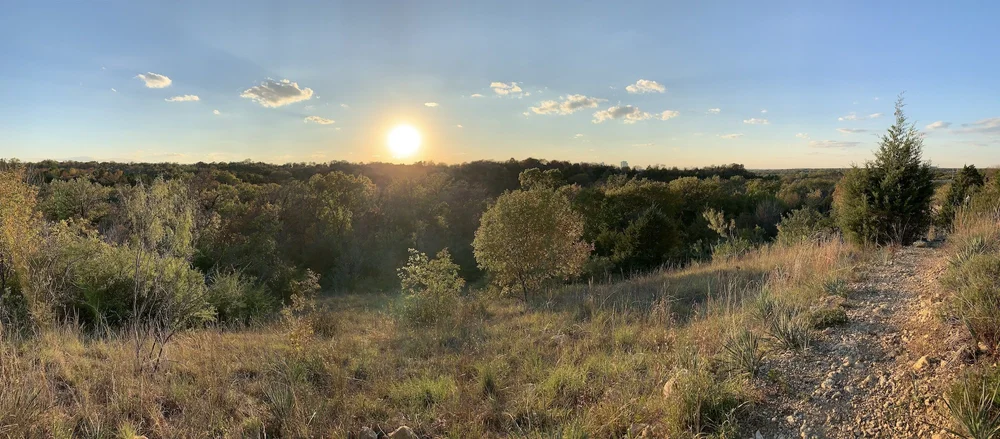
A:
[965,355]
[367,433]
[921,363]
[757,435]
[403,432]
[671,384]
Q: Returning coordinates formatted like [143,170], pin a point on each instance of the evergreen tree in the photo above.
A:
[888,200]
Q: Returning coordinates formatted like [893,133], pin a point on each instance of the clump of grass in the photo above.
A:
[974,404]
[789,331]
[976,284]
[973,246]
[743,354]
[837,287]
[826,318]
[424,392]
[701,404]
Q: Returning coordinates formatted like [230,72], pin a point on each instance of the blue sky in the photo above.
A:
[767,84]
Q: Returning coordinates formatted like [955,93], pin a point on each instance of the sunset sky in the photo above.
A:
[766,84]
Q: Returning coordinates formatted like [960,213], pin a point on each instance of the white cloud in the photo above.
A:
[430,104]
[627,113]
[852,130]
[476,95]
[755,121]
[459,126]
[854,116]
[569,105]
[319,120]
[668,114]
[185,98]
[832,144]
[763,110]
[714,111]
[216,112]
[345,106]
[577,136]
[505,89]
[154,80]
[983,126]
[938,125]
[731,136]
[273,94]
[645,86]
[802,135]
[112,89]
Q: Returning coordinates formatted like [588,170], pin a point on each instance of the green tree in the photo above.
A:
[889,199]
[530,237]
[962,187]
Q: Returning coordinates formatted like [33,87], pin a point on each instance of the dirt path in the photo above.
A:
[870,377]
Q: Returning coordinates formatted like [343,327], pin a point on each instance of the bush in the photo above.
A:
[889,199]
[237,299]
[743,353]
[974,404]
[962,187]
[431,288]
[803,225]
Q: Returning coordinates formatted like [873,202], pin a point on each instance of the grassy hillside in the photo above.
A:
[581,361]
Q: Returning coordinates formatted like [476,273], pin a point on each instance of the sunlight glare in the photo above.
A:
[404,140]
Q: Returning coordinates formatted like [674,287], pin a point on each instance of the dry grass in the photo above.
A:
[585,360]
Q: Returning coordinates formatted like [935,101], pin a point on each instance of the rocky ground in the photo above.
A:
[884,372]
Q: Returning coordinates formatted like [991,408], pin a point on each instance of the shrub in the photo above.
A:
[790,331]
[888,200]
[974,404]
[236,299]
[743,353]
[962,187]
[431,288]
[803,225]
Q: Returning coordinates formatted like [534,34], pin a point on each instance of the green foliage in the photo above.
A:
[803,225]
[888,200]
[974,404]
[237,299]
[530,237]
[535,178]
[431,288]
[790,331]
[77,198]
[743,354]
[963,185]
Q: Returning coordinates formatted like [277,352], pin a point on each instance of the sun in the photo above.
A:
[404,140]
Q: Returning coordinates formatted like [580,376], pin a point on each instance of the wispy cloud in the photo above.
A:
[184,98]
[505,89]
[319,120]
[569,105]
[645,86]
[154,80]
[763,110]
[826,144]
[937,125]
[714,111]
[430,104]
[755,121]
[273,94]
[475,95]
[731,136]
[345,106]
[627,113]
[855,116]
[802,135]
[459,126]
[668,114]
[982,126]
[852,130]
